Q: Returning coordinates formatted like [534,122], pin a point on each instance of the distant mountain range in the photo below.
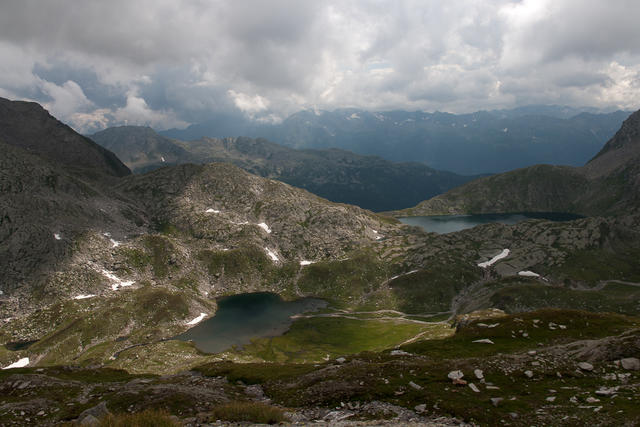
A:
[476,143]
[608,184]
[338,175]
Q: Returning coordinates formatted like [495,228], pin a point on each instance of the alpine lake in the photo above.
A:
[241,318]
[443,224]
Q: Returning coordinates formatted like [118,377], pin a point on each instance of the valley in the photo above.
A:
[103,269]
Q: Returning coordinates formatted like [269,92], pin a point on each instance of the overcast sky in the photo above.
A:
[168,63]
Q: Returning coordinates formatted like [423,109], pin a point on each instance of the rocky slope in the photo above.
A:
[29,126]
[608,184]
[341,176]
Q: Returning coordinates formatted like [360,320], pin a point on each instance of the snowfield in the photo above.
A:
[118,283]
[527,273]
[84,296]
[501,255]
[197,319]
[265,227]
[19,364]
[272,255]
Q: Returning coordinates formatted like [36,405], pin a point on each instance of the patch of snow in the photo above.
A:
[84,296]
[118,283]
[211,210]
[353,116]
[19,364]
[483,341]
[197,319]
[265,227]
[272,255]
[303,262]
[505,130]
[501,255]
[57,236]
[527,273]
[162,158]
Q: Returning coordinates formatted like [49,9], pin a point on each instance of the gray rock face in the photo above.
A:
[630,363]
[29,126]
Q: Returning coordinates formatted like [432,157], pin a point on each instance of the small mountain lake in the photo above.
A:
[243,317]
[443,224]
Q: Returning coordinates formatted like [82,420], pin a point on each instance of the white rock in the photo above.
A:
[529,374]
[592,400]
[341,360]
[478,373]
[57,236]
[303,262]
[606,391]
[630,363]
[455,375]
[484,341]
[550,398]
[585,366]
[415,386]
[473,387]
[84,296]
[420,408]
[399,353]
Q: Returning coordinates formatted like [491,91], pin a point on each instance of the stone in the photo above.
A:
[420,408]
[630,363]
[606,391]
[529,374]
[550,398]
[455,375]
[415,386]
[592,400]
[478,373]
[399,353]
[585,366]
[89,420]
[341,360]
[100,410]
[495,401]
[473,387]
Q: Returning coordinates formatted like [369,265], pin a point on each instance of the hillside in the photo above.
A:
[340,176]
[476,143]
[607,184]
[103,274]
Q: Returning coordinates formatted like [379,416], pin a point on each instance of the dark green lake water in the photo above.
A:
[442,224]
[241,318]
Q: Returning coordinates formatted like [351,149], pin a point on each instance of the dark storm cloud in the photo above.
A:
[168,63]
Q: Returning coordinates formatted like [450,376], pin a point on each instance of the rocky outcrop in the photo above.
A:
[29,126]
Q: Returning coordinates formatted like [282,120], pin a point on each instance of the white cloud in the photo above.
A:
[166,63]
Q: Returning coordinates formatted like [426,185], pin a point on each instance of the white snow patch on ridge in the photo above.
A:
[265,227]
[210,210]
[84,296]
[19,364]
[501,255]
[303,262]
[57,236]
[272,255]
[197,319]
[118,283]
[527,273]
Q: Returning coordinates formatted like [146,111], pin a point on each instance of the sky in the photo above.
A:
[170,63]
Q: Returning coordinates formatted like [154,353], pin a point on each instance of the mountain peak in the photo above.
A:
[619,150]
[29,126]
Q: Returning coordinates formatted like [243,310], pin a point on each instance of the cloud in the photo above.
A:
[168,63]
